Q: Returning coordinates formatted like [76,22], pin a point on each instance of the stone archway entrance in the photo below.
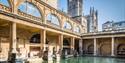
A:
[66,44]
[77,45]
[35,38]
[104,46]
[90,49]
[121,49]
[34,50]
[105,49]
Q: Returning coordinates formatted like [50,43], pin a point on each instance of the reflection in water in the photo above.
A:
[92,60]
[88,60]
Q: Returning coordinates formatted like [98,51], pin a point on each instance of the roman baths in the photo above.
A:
[32,31]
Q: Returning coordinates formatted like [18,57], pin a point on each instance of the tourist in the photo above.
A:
[54,53]
[45,54]
[41,52]
[59,52]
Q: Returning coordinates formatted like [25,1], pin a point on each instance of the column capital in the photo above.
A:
[14,39]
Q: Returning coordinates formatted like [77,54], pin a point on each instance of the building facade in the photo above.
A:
[31,26]
[75,11]
[75,8]
[113,26]
[27,27]
[111,44]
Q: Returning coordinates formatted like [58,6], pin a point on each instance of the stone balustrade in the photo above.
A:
[5,8]
[29,16]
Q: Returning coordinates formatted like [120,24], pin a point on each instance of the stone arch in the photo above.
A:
[90,48]
[35,38]
[77,29]
[58,18]
[69,24]
[52,14]
[66,42]
[34,4]
[105,49]
[120,47]
[11,3]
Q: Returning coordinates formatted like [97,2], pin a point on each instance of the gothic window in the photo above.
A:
[5,2]
[53,19]
[29,8]
[67,25]
[77,29]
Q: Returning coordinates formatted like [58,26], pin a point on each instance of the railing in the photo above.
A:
[54,25]
[29,16]
[103,32]
[5,8]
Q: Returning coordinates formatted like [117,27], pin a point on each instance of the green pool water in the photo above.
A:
[92,60]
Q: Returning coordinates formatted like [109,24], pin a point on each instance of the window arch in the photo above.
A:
[29,8]
[35,38]
[66,42]
[77,29]
[67,25]
[53,19]
[5,2]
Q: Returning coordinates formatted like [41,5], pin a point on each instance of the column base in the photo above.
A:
[50,58]
[95,54]
[58,57]
[112,55]
[50,61]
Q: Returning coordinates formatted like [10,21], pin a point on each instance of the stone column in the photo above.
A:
[112,44]
[95,53]
[61,41]
[14,40]
[80,46]
[13,43]
[43,39]
[0,44]
[72,43]
[59,47]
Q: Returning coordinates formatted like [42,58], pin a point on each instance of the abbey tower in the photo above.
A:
[75,8]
